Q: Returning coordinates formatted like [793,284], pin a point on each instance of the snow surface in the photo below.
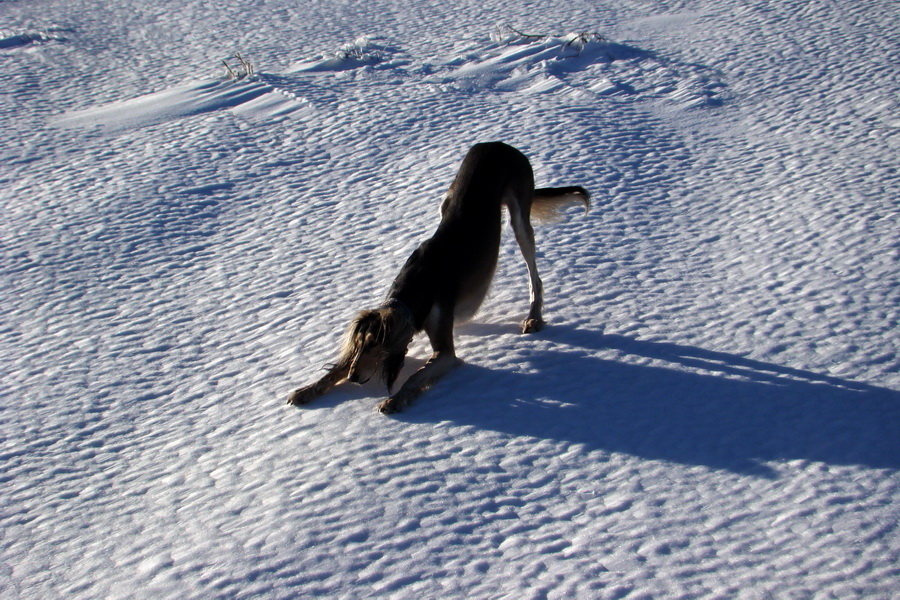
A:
[713,410]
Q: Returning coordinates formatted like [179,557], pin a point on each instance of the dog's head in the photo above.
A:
[376,344]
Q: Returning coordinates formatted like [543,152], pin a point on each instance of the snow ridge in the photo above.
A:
[576,64]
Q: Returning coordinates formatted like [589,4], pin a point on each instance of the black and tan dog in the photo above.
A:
[448,276]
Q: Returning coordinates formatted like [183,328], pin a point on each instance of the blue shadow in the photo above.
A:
[705,408]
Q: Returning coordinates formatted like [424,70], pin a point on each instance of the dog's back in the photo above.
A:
[458,262]
[489,173]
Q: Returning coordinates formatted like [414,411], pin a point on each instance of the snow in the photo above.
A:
[713,410]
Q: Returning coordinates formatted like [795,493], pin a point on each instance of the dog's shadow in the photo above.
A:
[670,402]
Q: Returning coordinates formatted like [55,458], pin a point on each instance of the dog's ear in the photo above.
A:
[390,368]
[358,332]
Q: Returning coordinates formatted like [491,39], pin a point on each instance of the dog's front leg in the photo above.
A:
[307,394]
[439,327]
[437,366]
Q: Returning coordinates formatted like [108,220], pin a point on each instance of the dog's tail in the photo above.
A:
[549,203]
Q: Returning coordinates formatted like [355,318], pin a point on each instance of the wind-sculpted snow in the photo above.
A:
[242,97]
[579,65]
[365,51]
[23,37]
[713,410]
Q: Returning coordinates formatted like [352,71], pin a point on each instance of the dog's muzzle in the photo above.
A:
[354,377]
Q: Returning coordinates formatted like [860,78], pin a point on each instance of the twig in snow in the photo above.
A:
[245,70]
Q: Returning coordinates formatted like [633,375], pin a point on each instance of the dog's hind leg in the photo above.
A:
[439,328]
[521,224]
[307,394]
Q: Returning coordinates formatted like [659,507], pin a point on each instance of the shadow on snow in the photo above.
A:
[708,408]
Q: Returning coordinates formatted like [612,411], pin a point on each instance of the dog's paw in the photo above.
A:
[302,396]
[395,403]
[389,406]
[532,325]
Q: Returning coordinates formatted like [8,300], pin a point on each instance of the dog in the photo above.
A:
[448,276]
